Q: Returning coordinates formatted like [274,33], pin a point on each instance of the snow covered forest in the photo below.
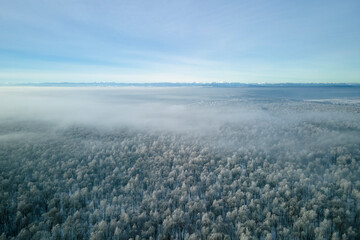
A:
[180,163]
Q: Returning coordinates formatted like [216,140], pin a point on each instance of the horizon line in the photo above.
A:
[171,84]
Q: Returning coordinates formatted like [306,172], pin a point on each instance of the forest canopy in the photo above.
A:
[178,163]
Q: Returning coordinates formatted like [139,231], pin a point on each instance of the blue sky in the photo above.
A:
[179,41]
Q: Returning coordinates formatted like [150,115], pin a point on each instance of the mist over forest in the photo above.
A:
[180,163]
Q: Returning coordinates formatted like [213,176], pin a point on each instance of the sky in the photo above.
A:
[179,41]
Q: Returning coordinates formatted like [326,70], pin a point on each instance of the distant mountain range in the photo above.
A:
[170,84]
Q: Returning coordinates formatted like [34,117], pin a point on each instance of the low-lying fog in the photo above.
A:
[265,113]
[176,109]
